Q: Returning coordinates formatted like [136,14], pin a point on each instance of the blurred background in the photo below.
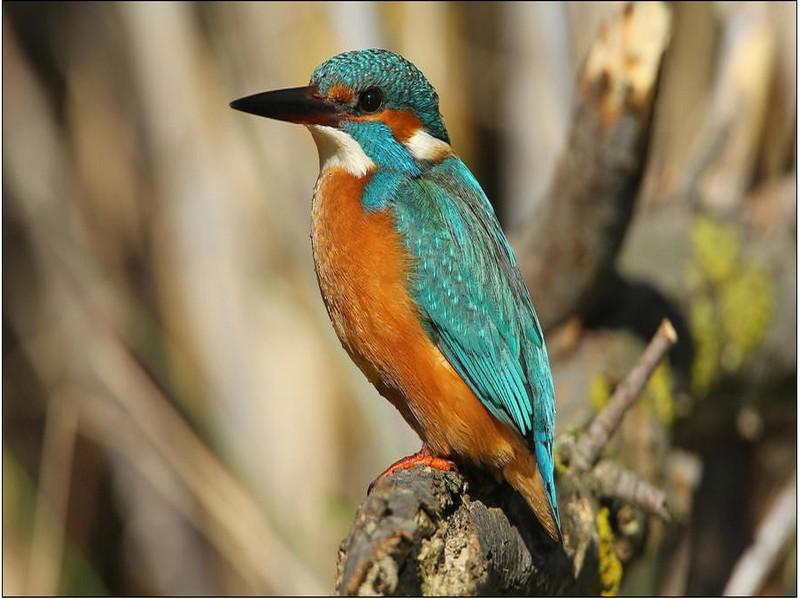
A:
[178,416]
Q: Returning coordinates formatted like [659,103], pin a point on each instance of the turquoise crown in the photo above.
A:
[404,86]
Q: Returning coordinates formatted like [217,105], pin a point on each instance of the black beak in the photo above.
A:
[304,105]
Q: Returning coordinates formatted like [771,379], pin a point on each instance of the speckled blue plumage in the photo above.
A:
[403,83]
[472,298]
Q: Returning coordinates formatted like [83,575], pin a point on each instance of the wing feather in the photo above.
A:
[475,304]
[471,294]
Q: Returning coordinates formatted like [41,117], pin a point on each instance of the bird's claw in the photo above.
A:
[423,457]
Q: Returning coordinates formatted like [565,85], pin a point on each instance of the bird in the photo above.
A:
[420,283]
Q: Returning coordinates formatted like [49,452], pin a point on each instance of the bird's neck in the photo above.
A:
[338,150]
[363,147]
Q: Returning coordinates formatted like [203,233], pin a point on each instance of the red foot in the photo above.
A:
[423,457]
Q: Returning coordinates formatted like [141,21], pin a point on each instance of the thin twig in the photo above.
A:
[757,561]
[615,481]
[592,442]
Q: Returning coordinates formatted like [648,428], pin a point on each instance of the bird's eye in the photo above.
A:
[370,100]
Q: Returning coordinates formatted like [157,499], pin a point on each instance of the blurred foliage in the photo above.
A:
[732,301]
[599,391]
[178,417]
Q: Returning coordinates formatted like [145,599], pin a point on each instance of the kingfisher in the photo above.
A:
[417,276]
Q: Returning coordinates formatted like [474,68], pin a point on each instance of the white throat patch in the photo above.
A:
[338,149]
[423,146]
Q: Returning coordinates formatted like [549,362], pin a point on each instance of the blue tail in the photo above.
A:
[544,458]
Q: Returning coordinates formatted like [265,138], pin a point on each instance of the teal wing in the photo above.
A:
[475,304]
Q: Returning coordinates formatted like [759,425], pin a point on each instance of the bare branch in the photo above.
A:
[755,564]
[570,244]
[427,532]
[591,443]
[431,532]
[615,481]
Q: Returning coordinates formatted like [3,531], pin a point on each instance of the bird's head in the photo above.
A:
[365,109]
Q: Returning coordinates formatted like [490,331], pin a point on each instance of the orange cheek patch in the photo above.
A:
[403,123]
[340,93]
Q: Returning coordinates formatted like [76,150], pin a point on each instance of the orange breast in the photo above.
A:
[362,268]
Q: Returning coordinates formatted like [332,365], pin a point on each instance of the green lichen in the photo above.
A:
[732,302]
[610,567]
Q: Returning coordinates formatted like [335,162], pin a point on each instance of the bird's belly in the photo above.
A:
[362,268]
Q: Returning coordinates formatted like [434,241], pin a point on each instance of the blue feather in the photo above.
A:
[377,141]
[474,302]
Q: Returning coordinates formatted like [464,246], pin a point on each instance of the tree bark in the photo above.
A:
[567,250]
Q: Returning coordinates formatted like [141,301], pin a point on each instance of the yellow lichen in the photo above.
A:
[658,393]
[745,304]
[707,344]
[610,567]
[599,391]
[731,304]
[716,246]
